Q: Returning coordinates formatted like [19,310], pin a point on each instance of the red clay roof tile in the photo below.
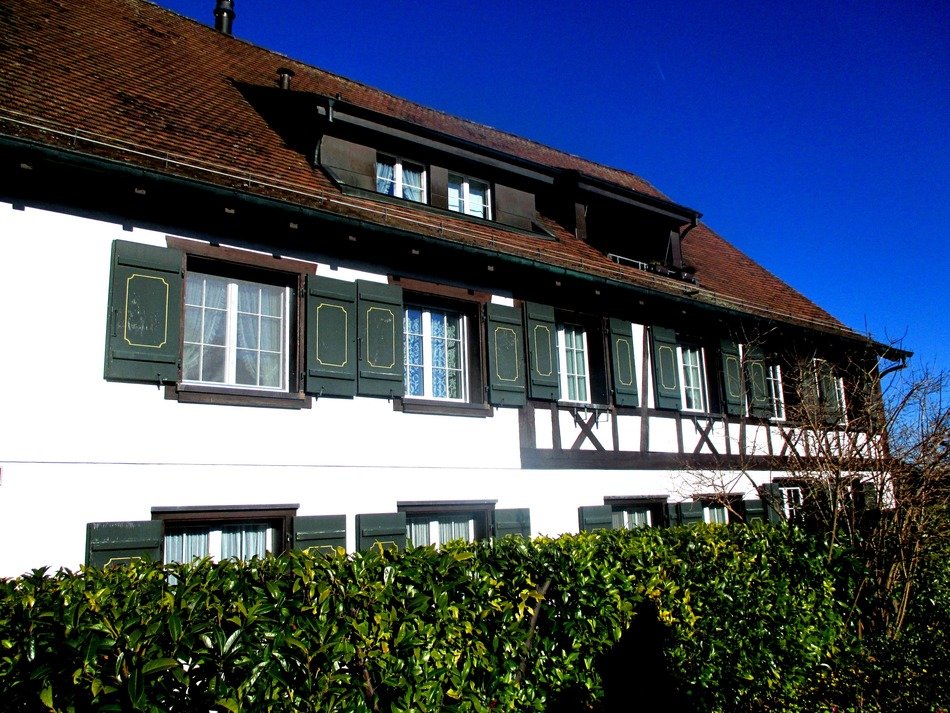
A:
[130,80]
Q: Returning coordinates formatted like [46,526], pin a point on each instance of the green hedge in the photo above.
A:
[708,618]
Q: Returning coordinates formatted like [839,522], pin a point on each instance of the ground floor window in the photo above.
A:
[221,532]
[438,522]
[235,541]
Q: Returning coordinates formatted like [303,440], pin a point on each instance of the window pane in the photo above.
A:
[191,362]
[247,331]
[476,198]
[192,323]
[270,370]
[215,326]
[212,364]
[249,298]
[454,390]
[412,186]
[272,301]
[246,367]
[454,527]
[270,334]
[186,545]
[417,530]
[385,177]
[439,386]
[244,541]
[455,194]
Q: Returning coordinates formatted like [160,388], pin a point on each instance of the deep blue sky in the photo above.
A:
[813,135]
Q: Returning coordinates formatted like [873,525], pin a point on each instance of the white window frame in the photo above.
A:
[464,206]
[427,365]
[397,180]
[688,371]
[231,334]
[773,377]
[791,501]
[565,378]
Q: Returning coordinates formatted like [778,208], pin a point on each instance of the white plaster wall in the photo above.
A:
[44,507]
[76,449]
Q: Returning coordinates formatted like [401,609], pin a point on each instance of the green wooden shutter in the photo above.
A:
[624,370]
[691,512]
[755,511]
[320,533]
[506,364]
[666,368]
[389,529]
[331,337]
[513,521]
[771,494]
[672,514]
[830,404]
[595,517]
[112,543]
[543,382]
[380,340]
[761,402]
[733,390]
[143,334]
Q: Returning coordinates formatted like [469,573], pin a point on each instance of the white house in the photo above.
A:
[249,305]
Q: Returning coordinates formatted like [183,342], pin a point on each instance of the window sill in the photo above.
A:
[442,408]
[196,394]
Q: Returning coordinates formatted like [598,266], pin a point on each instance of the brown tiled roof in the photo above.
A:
[128,80]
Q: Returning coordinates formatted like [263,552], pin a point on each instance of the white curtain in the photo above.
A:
[418,532]
[243,541]
[186,545]
[385,178]
[454,528]
[412,183]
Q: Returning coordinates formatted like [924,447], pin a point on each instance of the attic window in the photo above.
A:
[469,196]
[399,178]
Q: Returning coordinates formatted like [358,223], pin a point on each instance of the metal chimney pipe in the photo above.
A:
[224,16]
[284,75]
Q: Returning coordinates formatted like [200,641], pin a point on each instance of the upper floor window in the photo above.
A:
[399,178]
[773,375]
[469,196]
[831,395]
[435,353]
[572,363]
[694,378]
[235,333]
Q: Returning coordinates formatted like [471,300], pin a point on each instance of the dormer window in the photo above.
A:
[400,178]
[469,196]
